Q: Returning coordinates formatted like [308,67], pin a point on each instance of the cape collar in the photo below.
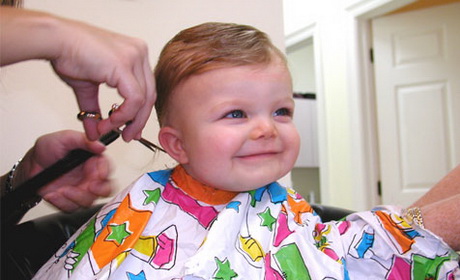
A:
[200,191]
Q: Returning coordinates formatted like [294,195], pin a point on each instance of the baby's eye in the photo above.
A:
[283,112]
[235,114]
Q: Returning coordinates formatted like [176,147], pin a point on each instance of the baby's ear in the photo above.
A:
[171,141]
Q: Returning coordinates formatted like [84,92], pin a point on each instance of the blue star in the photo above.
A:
[161,176]
[234,205]
[278,194]
[140,276]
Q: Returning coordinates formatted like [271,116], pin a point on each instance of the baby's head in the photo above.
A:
[206,47]
[225,106]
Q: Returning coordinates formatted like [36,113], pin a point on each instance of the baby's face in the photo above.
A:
[235,126]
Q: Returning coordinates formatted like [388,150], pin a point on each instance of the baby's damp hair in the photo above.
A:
[207,47]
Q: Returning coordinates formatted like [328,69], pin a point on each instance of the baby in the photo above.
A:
[225,109]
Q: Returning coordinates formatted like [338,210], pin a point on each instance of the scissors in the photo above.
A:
[94,115]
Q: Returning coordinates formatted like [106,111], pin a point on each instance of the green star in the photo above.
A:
[117,233]
[252,193]
[152,196]
[267,219]
[223,270]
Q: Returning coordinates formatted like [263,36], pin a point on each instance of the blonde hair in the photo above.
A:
[206,47]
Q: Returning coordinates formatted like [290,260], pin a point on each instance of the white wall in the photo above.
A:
[34,101]
[299,14]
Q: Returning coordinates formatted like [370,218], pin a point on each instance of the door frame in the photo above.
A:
[310,33]
[365,152]
[366,161]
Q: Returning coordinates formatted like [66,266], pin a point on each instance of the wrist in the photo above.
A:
[47,35]
[9,182]
[413,216]
[22,170]
[16,201]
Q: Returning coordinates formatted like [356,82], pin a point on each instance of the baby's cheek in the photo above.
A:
[227,142]
[292,140]
[292,148]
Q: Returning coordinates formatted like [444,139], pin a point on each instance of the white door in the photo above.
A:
[417,76]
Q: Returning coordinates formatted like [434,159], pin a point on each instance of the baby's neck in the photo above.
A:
[200,191]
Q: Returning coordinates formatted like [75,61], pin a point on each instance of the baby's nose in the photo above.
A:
[263,128]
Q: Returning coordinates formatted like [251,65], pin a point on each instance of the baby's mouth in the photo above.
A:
[257,155]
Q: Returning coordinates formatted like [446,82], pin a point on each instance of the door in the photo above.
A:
[417,76]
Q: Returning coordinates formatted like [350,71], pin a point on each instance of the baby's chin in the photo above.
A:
[245,187]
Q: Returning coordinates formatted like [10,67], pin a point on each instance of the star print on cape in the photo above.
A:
[139,276]
[267,219]
[118,233]
[276,191]
[235,205]
[224,270]
[152,196]
[106,250]
[160,229]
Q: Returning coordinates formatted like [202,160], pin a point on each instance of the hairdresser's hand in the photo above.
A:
[92,56]
[85,56]
[78,188]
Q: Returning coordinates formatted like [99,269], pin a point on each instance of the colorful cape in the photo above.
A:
[156,229]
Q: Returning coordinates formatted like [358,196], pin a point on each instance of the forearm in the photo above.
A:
[440,208]
[443,219]
[28,35]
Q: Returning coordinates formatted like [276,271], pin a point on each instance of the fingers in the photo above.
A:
[90,56]
[51,147]
[104,189]
[136,85]
[138,90]
[87,98]
[143,114]
[64,141]
[91,130]
[70,199]
[81,187]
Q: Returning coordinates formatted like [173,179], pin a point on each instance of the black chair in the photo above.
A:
[27,246]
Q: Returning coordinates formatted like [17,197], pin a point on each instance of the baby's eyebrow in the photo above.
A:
[227,105]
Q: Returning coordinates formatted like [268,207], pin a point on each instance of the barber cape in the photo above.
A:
[166,225]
